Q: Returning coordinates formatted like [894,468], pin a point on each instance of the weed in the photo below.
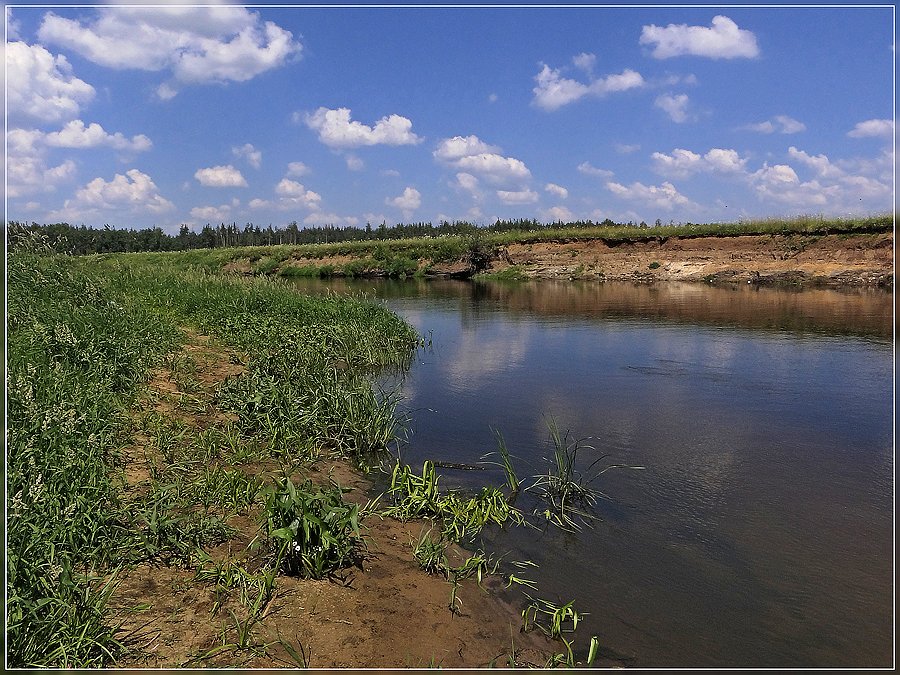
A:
[314,531]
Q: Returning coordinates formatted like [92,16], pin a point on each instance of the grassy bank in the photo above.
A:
[469,254]
[172,433]
[85,337]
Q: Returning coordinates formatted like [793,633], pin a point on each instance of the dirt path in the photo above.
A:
[387,612]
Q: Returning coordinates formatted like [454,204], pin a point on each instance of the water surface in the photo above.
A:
[760,531]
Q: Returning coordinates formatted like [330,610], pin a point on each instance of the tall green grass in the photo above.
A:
[83,335]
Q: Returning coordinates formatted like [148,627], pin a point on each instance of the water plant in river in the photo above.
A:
[564,487]
[461,516]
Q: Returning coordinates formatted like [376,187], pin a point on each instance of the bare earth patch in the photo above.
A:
[386,612]
[821,259]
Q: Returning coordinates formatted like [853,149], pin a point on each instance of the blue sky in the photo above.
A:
[166,115]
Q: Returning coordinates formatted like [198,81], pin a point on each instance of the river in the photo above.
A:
[759,532]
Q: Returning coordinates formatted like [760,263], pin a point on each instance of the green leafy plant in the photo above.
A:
[314,530]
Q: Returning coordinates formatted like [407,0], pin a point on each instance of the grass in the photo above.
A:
[85,336]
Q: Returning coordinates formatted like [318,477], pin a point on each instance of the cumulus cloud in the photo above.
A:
[589,170]
[473,156]
[354,163]
[820,164]
[337,130]
[297,170]
[76,135]
[28,175]
[872,129]
[408,202]
[722,40]
[557,214]
[663,196]
[196,45]
[517,196]
[211,213]
[683,163]
[296,194]
[134,193]
[453,149]
[220,176]
[41,86]
[675,106]
[780,123]
[557,190]
[468,183]
[553,91]
[248,152]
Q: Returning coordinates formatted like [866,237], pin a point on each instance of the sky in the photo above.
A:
[167,115]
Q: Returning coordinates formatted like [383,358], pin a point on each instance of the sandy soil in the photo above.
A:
[865,259]
[386,612]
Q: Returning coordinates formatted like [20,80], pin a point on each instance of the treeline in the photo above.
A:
[65,238]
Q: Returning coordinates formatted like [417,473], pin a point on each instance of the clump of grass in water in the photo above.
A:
[461,517]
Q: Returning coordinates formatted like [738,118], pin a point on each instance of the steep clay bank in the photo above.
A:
[865,259]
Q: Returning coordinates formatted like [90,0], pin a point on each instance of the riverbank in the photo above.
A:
[186,425]
[828,256]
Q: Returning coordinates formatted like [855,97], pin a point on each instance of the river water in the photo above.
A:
[759,533]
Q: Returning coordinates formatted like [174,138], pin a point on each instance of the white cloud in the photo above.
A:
[557,214]
[780,123]
[554,91]
[28,175]
[392,173]
[675,106]
[76,135]
[587,169]
[818,163]
[872,128]
[557,190]
[408,202]
[626,148]
[585,62]
[297,170]
[337,130]
[683,163]
[493,98]
[467,182]
[248,152]
[471,155]
[42,86]
[517,196]
[220,176]
[663,196]
[134,193]
[722,40]
[354,163]
[294,194]
[211,213]
[197,45]
[495,167]
[452,149]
